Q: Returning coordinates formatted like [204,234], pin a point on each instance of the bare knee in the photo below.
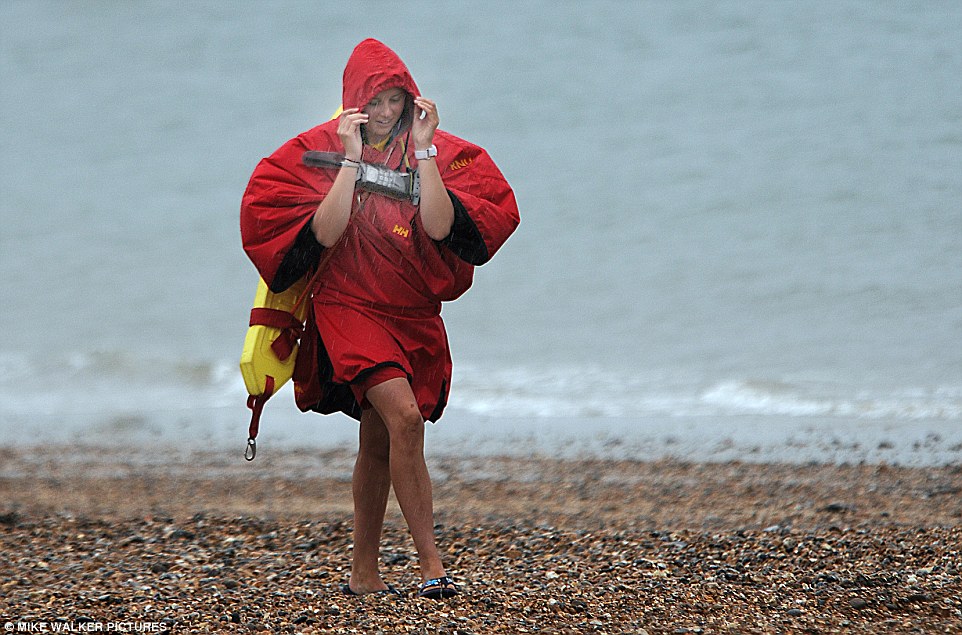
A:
[397,407]
[406,427]
[375,442]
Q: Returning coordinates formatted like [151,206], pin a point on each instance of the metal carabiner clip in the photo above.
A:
[251,450]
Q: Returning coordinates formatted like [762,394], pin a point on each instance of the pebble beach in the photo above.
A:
[713,384]
[207,543]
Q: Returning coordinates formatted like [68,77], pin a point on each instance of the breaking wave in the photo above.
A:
[127,393]
[596,392]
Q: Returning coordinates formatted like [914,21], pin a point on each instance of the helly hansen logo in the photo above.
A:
[460,163]
[403,232]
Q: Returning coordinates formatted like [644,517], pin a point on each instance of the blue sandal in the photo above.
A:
[439,589]
[347,590]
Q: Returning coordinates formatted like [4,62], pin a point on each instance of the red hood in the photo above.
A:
[374,67]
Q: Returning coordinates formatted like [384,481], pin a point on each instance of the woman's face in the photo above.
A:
[383,113]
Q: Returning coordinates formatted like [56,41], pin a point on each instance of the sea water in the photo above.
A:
[742,221]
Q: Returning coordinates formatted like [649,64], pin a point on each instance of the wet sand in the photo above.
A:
[209,543]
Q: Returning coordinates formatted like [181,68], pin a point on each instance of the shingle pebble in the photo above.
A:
[652,548]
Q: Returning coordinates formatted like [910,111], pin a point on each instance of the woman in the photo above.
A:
[374,345]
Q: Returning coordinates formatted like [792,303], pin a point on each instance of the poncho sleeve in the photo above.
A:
[485,208]
[277,207]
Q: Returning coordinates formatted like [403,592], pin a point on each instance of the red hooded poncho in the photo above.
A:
[377,298]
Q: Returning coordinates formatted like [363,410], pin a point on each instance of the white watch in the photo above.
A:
[421,155]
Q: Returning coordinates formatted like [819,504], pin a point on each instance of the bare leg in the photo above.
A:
[371,485]
[398,409]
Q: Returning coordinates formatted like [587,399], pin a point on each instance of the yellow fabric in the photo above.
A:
[258,359]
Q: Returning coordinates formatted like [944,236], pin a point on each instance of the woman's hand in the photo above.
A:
[437,211]
[425,123]
[349,130]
